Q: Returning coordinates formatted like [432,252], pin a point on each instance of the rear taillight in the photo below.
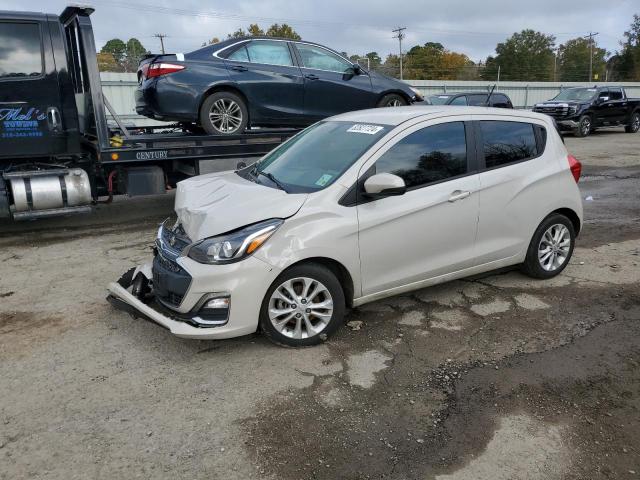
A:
[575,166]
[157,69]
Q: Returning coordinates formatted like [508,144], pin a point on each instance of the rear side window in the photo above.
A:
[500,101]
[268,52]
[477,100]
[430,155]
[507,142]
[20,50]
[615,94]
[240,55]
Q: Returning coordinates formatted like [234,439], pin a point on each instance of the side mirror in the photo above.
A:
[383,185]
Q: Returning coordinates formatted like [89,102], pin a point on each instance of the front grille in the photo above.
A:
[174,240]
[554,111]
[170,281]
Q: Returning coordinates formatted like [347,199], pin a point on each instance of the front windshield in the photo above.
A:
[439,99]
[317,156]
[576,94]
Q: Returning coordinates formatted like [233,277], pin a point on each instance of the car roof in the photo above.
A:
[471,92]
[397,115]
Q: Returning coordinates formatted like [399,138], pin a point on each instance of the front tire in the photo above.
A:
[304,306]
[392,100]
[585,126]
[634,123]
[224,113]
[551,247]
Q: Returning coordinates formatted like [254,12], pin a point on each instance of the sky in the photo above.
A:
[472,27]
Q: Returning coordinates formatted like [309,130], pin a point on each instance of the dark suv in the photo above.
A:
[260,81]
[582,110]
[479,99]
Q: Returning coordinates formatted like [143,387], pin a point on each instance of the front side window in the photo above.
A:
[318,156]
[20,50]
[268,52]
[321,59]
[430,155]
[507,142]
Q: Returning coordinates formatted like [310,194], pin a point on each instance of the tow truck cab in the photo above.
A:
[58,154]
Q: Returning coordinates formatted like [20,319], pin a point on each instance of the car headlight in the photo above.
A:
[233,246]
[418,95]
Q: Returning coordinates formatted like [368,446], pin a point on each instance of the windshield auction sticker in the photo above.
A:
[323,180]
[368,129]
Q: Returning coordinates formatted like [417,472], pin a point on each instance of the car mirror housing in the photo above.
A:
[383,185]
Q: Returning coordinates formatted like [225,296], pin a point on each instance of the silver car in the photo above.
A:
[355,208]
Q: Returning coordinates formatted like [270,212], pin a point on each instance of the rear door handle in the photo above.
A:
[239,68]
[458,195]
[311,76]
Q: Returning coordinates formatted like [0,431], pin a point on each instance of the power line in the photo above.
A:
[400,36]
[590,37]
[161,36]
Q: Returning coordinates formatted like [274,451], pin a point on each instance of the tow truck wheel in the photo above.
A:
[224,113]
[584,126]
[634,123]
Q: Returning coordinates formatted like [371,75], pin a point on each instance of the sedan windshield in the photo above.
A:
[576,94]
[316,157]
[439,99]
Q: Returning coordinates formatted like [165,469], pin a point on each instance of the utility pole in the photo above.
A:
[590,37]
[161,36]
[498,81]
[400,36]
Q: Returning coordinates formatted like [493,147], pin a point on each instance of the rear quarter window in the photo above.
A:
[20,50]
[504,143]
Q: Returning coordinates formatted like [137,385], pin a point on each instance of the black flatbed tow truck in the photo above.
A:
[58,152]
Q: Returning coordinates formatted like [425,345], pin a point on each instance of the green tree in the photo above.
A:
[527,55]
[213,41]
[573,61]
[117,48]
[106,63]
[275,30]
[134,52]
[433,61]
[627,64]
[283,31]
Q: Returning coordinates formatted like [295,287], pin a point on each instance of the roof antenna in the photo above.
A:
[489,96]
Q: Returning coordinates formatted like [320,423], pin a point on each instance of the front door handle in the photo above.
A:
[458,195]
[53,119]
[239,68]
[311,76]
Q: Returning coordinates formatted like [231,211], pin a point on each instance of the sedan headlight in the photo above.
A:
[418,95]
[233,246]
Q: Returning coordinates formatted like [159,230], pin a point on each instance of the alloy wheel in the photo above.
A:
[394,103]
[635,123]
[225,115]
[554,247]
[300,308]
[585,126]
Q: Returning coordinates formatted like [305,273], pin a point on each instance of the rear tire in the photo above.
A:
[392,100]
[224,113]
[308,315]
[551,247]
[634,123]
[585,126]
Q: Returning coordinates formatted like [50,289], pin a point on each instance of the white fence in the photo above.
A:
[119,89]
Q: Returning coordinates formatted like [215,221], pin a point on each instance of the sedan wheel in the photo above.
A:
[224,113]
[392,100]
[225,116]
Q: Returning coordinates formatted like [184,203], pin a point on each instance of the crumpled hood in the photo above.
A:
[209,205]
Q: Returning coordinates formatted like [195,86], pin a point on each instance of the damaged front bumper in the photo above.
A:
[221,301]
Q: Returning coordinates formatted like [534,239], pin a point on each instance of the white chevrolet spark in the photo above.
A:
[356,208]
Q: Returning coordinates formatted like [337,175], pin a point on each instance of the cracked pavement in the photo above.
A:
[492,377]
